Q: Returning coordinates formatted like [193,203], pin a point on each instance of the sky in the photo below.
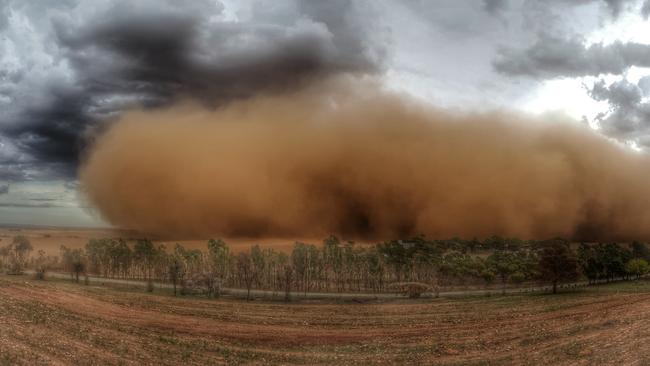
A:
[69,68]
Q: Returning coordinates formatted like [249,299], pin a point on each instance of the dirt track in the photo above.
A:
[265,294]
[57,323]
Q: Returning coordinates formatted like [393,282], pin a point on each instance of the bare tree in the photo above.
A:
[246,271]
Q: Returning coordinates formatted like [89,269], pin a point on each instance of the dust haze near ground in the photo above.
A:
[50,239]
[362,163]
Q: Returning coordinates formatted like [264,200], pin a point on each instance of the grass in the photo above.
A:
[56,321]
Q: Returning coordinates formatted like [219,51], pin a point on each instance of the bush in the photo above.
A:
[411,289]
[18,251]
[637,267]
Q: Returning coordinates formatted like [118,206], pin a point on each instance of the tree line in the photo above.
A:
[414,266]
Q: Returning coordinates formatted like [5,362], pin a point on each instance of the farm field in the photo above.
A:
[58,322]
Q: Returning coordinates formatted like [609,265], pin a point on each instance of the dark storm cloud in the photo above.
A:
[164,56]
[50,132]
[91,62]
[136,54]
[552,56]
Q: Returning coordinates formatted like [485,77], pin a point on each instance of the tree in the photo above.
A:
[122,258]
[287,279]
[97,252]
[306,261]
[397,255]
[613,258]
[510,265]
[426,261]
[589,262]
[640,250]
[42,264]
[4,253]
[333,262]
[557,262]
[192,259]
[246,271]
[18,252]
[147,254]
[375,270]
[175,270]
[74,261]
[637,267]
[219,261]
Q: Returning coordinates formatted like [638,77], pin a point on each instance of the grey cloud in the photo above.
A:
[644,84]
[628,118]
[614,7]
[4,14]
[551,57]
[618,6]
[495,6]
[4,188]
[28,205]
[71,185]
[103,57]
[645,9]
[149,53]
[12,172]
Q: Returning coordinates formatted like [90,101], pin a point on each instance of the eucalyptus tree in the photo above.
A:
[246,271]
[589,262]
[637,267]
[613,258]
[640,250]
[175,270]
[18,253]
[512,265]
[147,255]
[304,258]
[557,262]
[219,261]
[74,261]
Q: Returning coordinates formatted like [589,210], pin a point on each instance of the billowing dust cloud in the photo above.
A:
[364,164]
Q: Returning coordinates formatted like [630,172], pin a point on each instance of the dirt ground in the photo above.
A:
[51,239]
[57,322]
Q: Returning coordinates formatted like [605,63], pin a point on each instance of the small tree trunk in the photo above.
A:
[217,287]
[555,287]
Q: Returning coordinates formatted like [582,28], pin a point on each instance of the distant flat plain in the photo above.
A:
[50,239]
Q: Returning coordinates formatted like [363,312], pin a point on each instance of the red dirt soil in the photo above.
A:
[60,323]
